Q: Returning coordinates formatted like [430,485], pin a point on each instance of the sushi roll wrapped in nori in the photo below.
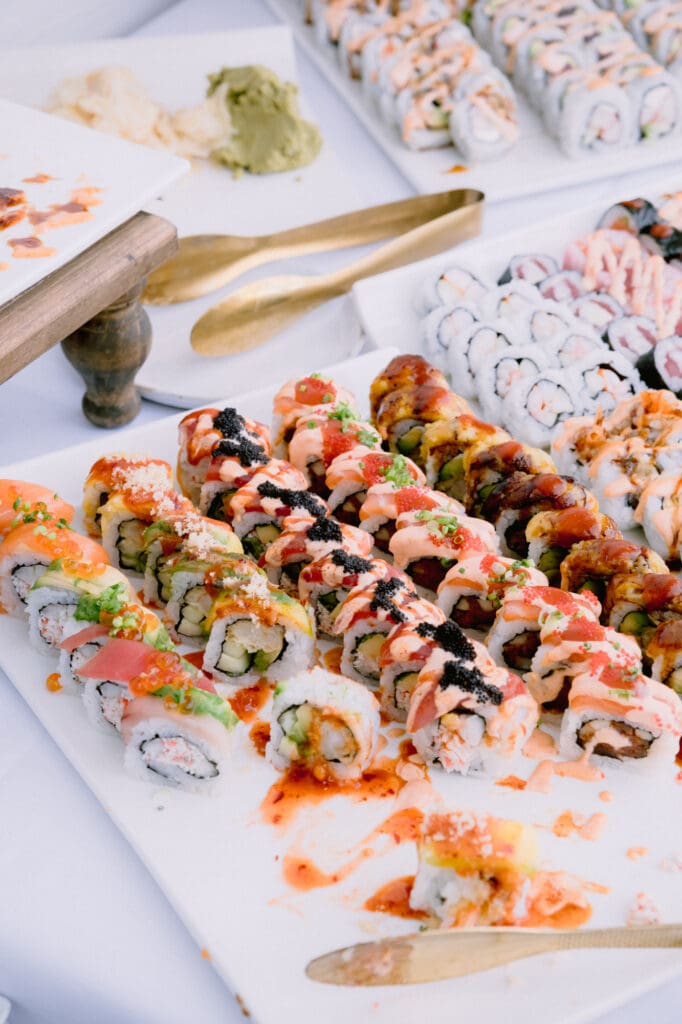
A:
[28,550]
[532,267]
[473,589]
[633,215]
[194,584]
[486,465]
[124,519]
[297,398]
[233,462]
[590,564]
[443,446]
[535,406]
[605,379]
[119,473]
[476,347]
[189,535]
[634,337]
[658,512]
[324,724]
[22,502]
[105,675]
[616,714]
[351,474]
[660,365]
[199,435]
[304,540]
[483,120]
[468,715]
[551,535]
[636,603]
[454,285]
[428,542]
[502,370]
[320,436]
[664,652]
[260,507]
[442,328]
[624,468]
[385,502]
[403,414]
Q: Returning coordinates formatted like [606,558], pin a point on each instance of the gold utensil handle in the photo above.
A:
[437,955]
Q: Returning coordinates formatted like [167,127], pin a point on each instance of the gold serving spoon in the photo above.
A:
[436,955]
[204,263]
[252,314]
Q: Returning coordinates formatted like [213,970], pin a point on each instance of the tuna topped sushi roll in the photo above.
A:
[591,564]
[298,398]
[324,724]
[119,473]
[474,588]
[22,502]
[199,435]
[551,535]
[325,584]
[321,436]
[28,550]
[428,543]
[468,714]
[351,474]
[304,540]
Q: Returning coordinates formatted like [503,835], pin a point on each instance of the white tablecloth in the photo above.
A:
[85,935]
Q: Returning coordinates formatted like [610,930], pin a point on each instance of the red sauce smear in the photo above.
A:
[394,898]
[29,248]
[403,826]
[297,788]
[259,734]
[196,658]
[332,660]
[53,682]
[635,852]
[570,916]
[39,179]
[248,701]
[300,873]
[512,782]
[566,825]
[7,220]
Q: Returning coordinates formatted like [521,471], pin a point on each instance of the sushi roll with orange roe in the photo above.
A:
[118,472]
[22,502]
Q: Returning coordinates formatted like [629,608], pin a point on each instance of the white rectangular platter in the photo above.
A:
[209,200]
[73,160]
[221,867]
[386,303]
[534,165]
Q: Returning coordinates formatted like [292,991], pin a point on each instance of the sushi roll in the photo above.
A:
[474,588]
[114,473]
[658,512]
[63,593]
[260,508]
[104,677]
[632,215]
[562,286]
[453,285]
[512,303]
[634,337]
[575,444]
[325,584]
[276,474]
[469,716]
[475,349]
[188,534]
[22,502]
[442,328]
[599,309]
[403,414]
[500,372]
[571,346]
[622,470]
[486,465]
[660,364]
[483,122]
[368,614]
[194,583]
[615,715]
[28,550]
[551,535]
[427,543]
[637,603]
[324,724]
[257,631]
[320,436]
[514,636]
[124,519]
[199,435]
[590,564]
[603,381]
[443,446]
[233,462]
[535,406]
[349,476]
[304,540]
[532,267]
[384,503]
[513,502]
[176,729]
[297,398]
[405,371]
[571,647]
[664,652]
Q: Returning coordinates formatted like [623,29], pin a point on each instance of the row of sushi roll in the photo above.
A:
[547,343]
[424,72]
[596,89]
[656,27]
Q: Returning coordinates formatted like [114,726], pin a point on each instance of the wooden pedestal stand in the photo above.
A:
[92,306]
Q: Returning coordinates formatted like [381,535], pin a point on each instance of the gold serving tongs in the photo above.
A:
[252,314]
[437,955]
[204,263]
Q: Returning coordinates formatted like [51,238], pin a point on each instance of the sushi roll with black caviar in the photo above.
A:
[485,466]
[551,535]
[443,447]
[474,588]
[467,714]
[513,502]
[590,564]
[304,540]
[233,462]
[351,474]
[428,543]
[298,398]
[119,472]
[201,432]
[325,584]
[404,653]
[260,507]
[324,724]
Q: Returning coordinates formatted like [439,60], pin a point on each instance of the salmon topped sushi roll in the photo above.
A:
[352,473]
[304,540]
[474,587]
[322,435]
[469,714]
[22,502]
[113,474]
[427,543]
[384,503]
[201,432]
[298,398]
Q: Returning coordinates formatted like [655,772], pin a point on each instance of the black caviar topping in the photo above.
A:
[470,679]
[229,423]
[384,592]
[247,452]
[450,637]
[325,529]
[293,499]
[351,563]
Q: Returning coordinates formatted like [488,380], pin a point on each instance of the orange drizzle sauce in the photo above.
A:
[539,745]
[512,782]
[605,796]
[29,248]
[332,660]
[259,734]
[53,682]
[394,898]
[205,954]
[248,701]
[566,825]
[39,179]
[635,852]
[300,873]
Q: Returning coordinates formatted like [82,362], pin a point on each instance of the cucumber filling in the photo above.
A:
[130,544]
[256,541]
[403,685]
[634,623]
[195,607]
[365,656]
[219,507]
[550,561]
[248,645]
[311,734]
[410,439]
